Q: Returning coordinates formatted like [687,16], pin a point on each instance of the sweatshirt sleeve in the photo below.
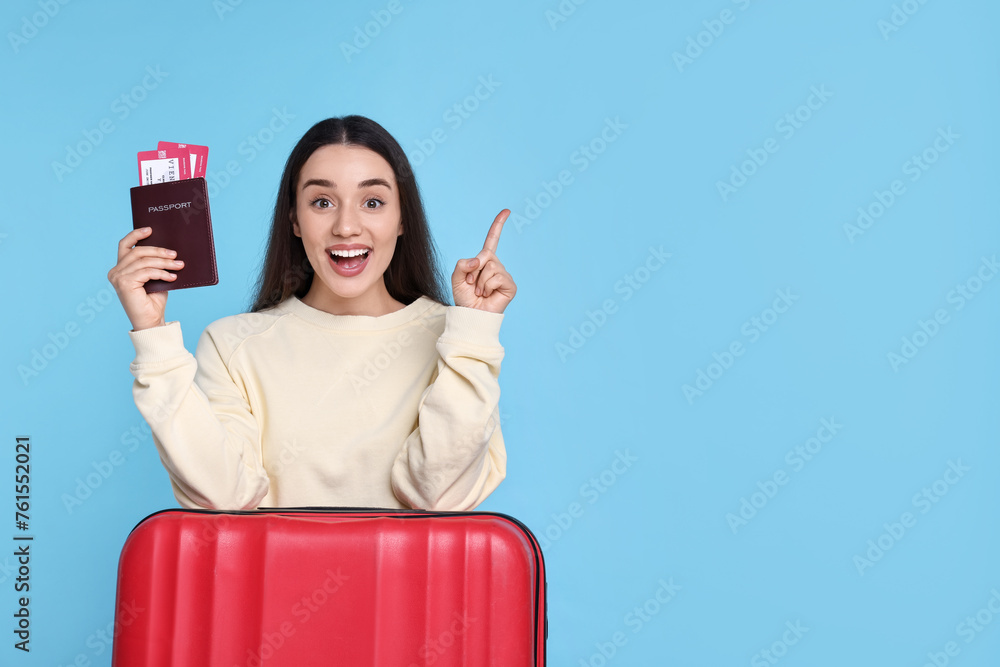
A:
[456,456]
[206,435]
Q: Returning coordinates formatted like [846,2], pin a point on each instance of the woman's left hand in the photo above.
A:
[482,282]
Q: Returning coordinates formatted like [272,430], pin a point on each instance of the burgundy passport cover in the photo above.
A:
[179,215]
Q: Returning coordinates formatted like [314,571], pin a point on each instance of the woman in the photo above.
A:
[350,382]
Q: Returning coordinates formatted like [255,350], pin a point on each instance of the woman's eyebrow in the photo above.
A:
[374,181]
[322,182]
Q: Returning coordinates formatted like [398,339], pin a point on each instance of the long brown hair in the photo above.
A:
[413,271]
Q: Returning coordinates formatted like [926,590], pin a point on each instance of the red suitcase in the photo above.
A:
[326,586]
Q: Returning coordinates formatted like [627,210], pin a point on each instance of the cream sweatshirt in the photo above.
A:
[294,406]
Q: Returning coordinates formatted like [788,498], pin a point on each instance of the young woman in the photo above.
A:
[351,382]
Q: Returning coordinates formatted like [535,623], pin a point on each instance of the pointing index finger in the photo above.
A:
[493,237]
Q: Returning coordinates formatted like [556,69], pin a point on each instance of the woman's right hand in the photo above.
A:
[136,265]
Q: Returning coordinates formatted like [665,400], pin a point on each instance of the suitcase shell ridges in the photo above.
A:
[282,587]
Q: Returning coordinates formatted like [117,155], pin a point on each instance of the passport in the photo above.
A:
[178,213]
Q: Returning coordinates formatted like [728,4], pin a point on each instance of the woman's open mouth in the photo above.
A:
[349,262]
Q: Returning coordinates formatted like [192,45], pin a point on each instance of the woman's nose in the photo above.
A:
[346,224]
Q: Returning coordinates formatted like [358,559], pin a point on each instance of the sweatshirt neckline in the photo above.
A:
[321,318]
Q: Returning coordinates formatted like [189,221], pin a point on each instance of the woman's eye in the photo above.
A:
[374,199]
[321,203]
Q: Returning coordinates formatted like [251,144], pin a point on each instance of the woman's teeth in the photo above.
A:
[348,253]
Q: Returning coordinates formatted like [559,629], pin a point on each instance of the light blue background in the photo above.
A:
[565,418]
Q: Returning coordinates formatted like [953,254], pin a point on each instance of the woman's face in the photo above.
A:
[347,215]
